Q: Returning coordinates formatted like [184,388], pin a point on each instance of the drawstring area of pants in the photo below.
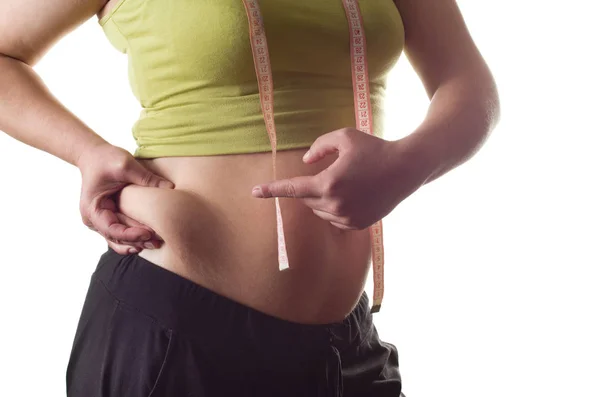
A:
[334,381]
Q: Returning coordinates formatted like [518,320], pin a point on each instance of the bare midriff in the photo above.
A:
[218,235]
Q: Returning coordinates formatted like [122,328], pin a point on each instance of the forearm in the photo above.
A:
[31,114]
[461,115]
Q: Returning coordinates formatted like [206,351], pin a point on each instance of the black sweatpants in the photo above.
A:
[145,331]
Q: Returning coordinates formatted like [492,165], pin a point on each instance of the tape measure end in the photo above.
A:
[375,309]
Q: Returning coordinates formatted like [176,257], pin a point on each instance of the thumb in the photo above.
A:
[144,177]
[322,146]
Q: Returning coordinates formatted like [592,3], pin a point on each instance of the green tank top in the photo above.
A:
[190,66]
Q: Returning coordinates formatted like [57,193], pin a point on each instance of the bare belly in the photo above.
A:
[219,236]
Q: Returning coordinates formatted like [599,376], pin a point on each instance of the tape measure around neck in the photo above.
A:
[362,109]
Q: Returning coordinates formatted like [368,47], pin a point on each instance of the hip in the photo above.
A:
[144,331]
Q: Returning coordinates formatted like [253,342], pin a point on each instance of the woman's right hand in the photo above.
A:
[105,171]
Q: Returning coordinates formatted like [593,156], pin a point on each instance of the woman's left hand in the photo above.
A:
[367,181]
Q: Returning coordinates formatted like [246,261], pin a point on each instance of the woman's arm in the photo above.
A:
[464,105]
[28,111]
[31,114]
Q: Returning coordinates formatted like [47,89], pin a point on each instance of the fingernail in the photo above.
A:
[149,245]
[257,191]
[306,155]
[132,251]
[166,185]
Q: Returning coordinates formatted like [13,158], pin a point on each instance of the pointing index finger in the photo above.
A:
[297,187]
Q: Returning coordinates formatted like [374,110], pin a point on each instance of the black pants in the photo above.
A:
[145,331]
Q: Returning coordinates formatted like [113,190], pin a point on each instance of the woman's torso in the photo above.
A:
[216,234]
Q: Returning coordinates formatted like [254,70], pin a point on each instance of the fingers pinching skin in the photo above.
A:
[127,230]
[107,222]
[105,170]
[123,232]
[123,249]
[155,240]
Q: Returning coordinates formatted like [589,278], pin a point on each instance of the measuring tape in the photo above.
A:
[362,113]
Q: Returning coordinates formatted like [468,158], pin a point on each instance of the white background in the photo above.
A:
[492,271]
